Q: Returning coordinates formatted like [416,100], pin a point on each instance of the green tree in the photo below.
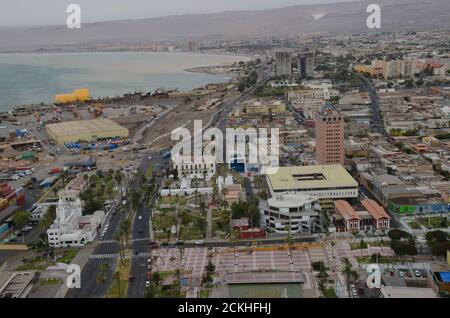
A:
[20,219]
[102,275]
[48,218]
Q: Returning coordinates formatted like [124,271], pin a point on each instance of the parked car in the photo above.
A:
[179,243]
[417,273]
[147,284]
[408,274]
[201,242]
[401,273]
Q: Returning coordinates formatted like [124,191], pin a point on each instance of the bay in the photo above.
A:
[38,77]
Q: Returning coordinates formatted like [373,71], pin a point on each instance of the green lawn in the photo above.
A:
[168,200]
[204,293]
[436,222]
[68,256]
[329,293]
[368,259]
[52,281]
[414,225]
[113,291]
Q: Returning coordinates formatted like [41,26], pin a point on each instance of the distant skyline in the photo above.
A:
[23,13]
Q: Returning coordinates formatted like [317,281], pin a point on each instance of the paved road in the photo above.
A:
[141,230]
[377,119]
[89,287]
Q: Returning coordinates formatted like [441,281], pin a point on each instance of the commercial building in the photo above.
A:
[283,64]
[329,125]
[264,106]
[192,170]
[306,64]
[323,182]
[86,130]
[290,213]
[406,292]
[78,95]
[311,95]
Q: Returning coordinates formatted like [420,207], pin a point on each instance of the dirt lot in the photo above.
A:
[179,117]
[132,121]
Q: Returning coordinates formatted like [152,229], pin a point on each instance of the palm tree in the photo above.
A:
[125,227]
[102,275]
[116,276]
[118,177]
[348,272]
[64,177]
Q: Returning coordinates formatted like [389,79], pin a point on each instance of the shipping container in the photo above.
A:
[21,199]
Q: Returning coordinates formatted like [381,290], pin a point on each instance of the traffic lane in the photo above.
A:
[246,243]
[89,287]
[136,289]
[141,226]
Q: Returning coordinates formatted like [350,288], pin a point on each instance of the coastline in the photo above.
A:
[207,69]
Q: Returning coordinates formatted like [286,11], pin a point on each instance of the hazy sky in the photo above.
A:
[44,12]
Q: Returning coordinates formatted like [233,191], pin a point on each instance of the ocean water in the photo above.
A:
[38,77]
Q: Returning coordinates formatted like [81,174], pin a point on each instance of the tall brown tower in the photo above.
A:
[329,126]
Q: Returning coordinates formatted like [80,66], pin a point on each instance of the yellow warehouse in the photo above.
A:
[81,94]
[86,130]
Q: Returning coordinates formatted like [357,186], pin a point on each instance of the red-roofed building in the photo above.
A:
[346,218]
[381,220]
[371,216]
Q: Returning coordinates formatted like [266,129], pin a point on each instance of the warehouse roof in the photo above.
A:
[311,177]
[84,126]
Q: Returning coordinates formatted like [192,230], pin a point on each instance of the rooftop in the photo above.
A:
[93,126]
[288,200]
[374,209]
[346,210]
[306,177]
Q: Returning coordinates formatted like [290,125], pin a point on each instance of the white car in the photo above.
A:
[150,158]
[201,242]
[140,217]
[147,284]
[401,274]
